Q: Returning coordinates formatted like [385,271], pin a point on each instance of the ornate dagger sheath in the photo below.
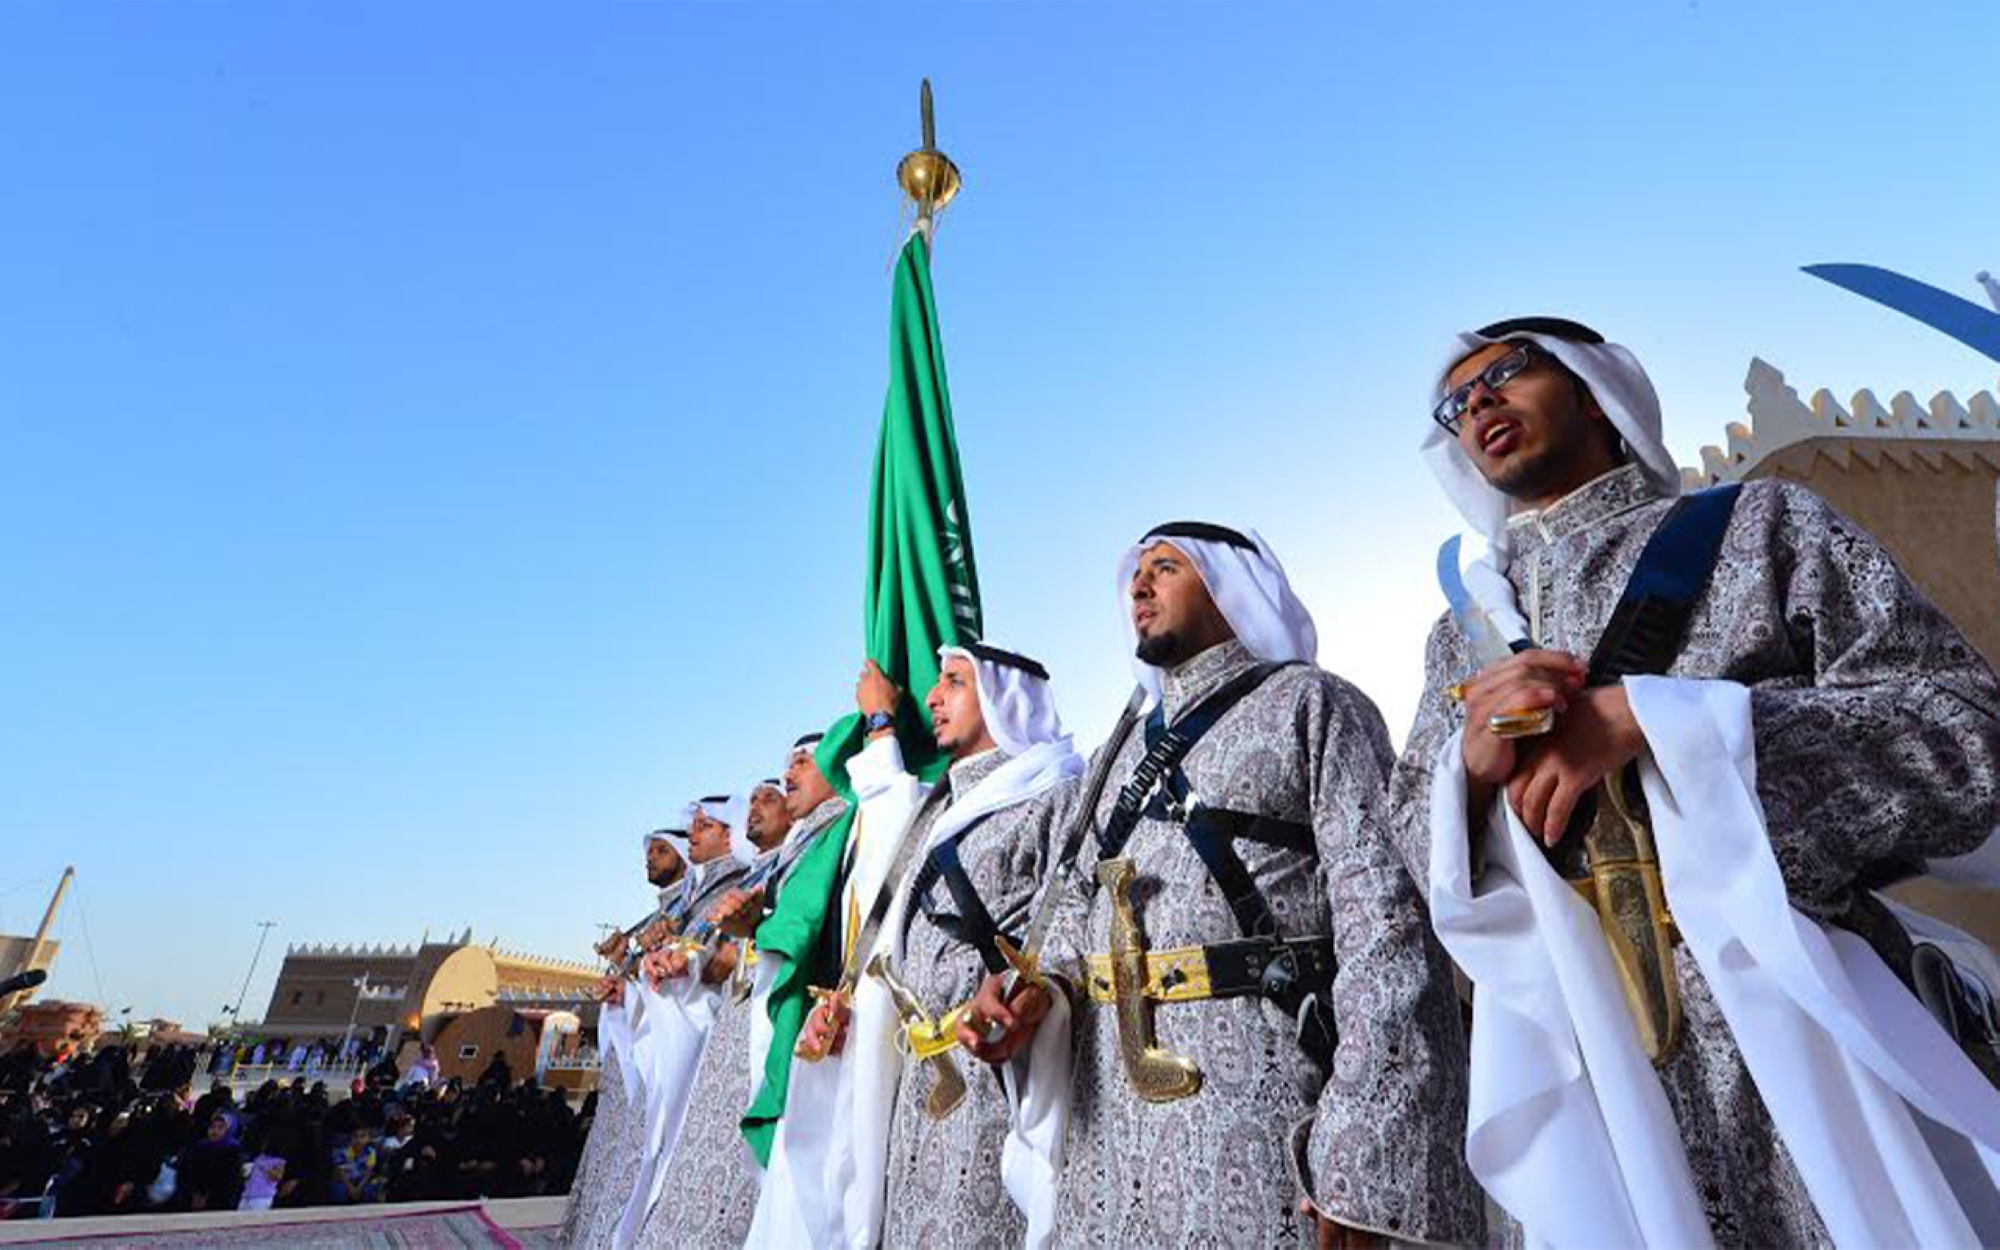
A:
[1157,1075]
[1632,910]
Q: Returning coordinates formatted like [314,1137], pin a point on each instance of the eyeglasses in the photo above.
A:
[1450,412]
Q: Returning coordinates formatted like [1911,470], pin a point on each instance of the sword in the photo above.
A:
[630,934]
[1942,311]
[1156,1075]
[702,932]
[850,970]
[1025,961]
[949,1091]
[1488,647]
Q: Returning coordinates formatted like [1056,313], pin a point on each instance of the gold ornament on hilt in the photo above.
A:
[927,175]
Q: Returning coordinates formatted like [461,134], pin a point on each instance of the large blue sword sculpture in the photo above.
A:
[1960,318]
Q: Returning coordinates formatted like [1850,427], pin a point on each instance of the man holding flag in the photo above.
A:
[921,593]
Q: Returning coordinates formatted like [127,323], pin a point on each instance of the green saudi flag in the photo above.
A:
[920,593]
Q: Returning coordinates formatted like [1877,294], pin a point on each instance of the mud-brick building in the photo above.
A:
[404,991]
[1921,477]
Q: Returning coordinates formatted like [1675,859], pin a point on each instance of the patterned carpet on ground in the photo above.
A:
[452,1229]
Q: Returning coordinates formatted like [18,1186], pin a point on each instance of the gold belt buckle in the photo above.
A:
[1179,975]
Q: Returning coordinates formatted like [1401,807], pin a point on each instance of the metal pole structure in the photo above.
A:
[33,958]
[360,988]
[264,928]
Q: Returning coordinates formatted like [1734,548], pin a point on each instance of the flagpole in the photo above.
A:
[927,175]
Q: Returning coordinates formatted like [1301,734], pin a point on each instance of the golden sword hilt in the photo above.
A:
[1520,723]
[1156,1075]
[836,1000]
[1023,969]
[949,1089]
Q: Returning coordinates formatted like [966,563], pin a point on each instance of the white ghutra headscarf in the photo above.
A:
[674,835]
[1248,585]
[1620,386]
[732,810]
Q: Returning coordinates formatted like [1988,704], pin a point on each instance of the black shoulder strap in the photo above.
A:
[1649,625]
[1167,746]
[975,923]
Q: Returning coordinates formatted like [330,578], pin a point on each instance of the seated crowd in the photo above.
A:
[109,1134]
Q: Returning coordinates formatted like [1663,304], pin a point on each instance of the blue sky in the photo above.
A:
[434,438]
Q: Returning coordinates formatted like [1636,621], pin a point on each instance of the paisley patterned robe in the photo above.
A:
[610,1165]
[613,1152]
[1877,747]
[944,1176]
[1386,1124]
[712,1178]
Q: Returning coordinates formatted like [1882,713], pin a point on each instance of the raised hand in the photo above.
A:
[874,692]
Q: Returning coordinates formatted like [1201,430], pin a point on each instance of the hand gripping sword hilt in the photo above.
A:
[1156,1075]
[1023,969]
[820,994]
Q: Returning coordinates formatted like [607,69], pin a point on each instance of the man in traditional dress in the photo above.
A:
[1667,750]
[915,1128]
[667,1029]
[1264,1011]
[712,1178]
[611,1159]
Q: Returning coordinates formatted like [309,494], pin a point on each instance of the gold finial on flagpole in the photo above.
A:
[927,175]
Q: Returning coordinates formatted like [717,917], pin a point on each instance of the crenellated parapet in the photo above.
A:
[522,960]
[318,950]
[1905,433]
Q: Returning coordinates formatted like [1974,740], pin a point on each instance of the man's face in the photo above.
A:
[1171,609]
[663,862]
[708,839]
[769,818]
[957,721]
[805,786]
[1536,438]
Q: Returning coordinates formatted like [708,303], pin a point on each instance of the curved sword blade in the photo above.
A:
[1942,311]
[1487,644]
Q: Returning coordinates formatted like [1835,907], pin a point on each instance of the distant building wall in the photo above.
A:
[54,1027]
[467,1044]
[411,990]
[1921,478]
[17,955]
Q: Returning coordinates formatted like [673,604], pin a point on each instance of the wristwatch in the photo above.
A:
[878,721]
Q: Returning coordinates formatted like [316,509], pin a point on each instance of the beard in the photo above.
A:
[1552,472]
[1571,454]
[661,880]
[1161,650]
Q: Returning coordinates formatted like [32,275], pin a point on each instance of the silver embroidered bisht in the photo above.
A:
[710,1195]
[1877,748]
[944,1187]
[1381,1133]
